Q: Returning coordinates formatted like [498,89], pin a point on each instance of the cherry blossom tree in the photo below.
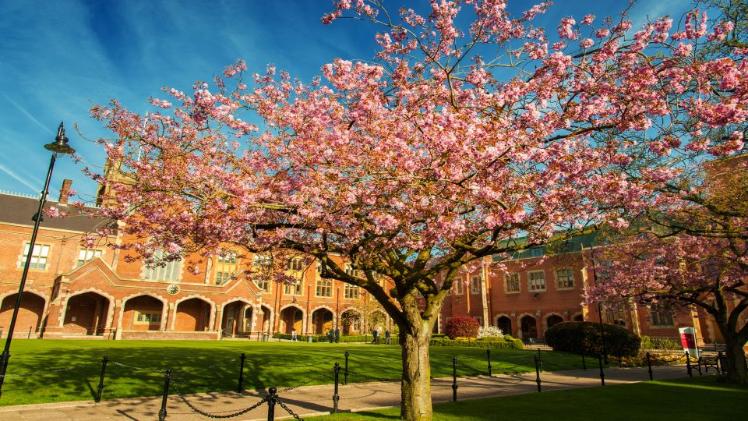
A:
[450,144]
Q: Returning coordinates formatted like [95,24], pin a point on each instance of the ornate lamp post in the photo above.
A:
[59,146]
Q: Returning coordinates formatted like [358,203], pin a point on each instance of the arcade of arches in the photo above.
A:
[30,314]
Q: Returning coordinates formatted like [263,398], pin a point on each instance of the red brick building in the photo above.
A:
[534,289]
[73,291]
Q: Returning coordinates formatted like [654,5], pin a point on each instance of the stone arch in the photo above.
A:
[504,322]
[378,320]
[291,317]
[85,311]
[143,303]
[30,314]
[528,326]
[352,325]
[552,319]
[193,313]
[234,319]
[322,320]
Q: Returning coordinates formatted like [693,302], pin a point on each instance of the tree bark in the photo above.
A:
[736,370]
[415,390]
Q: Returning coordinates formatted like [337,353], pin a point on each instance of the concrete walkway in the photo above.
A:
[317,400]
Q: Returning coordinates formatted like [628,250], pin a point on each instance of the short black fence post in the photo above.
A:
[335,396]
[584,362]
[345,373]
[537,371]
[688,365]
[100,389]
[272,400]
[602,371]
[454,379]
[167,381]
[29,337]
[649,366]
[488,358]
[240,386]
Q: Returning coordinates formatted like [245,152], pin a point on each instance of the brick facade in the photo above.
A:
[102,293]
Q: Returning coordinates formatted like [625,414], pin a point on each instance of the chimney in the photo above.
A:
[65,191]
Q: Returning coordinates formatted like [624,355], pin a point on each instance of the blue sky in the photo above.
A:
[58,58]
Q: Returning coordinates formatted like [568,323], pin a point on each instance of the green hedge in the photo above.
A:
[584,337]
[507,342]
[324,338]
[656,342]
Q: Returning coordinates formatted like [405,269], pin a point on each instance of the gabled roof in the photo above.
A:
[17,209]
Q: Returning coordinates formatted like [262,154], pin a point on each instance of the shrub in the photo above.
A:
[584,337]
[656,342]
[462,326]
[506,342]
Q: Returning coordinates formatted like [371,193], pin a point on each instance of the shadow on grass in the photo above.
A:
[59,370]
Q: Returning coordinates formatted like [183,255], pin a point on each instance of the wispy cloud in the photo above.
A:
[25,182]
[26,113]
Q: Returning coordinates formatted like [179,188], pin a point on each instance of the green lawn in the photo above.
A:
[697,399]
[62,370]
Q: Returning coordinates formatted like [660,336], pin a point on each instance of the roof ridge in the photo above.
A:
[17,194]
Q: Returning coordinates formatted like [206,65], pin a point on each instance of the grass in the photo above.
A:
[697,399]
[64,370]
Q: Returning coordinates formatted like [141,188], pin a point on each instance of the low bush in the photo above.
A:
[505,342]
[462,326]
[657,342]
[584,337]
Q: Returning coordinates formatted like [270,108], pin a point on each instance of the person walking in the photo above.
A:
[293,335]
[387,338]
[375,336]
[337,335]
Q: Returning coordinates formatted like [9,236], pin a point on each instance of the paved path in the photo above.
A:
[310,400]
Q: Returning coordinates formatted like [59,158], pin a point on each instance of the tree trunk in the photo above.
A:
[416,380]
[736,370]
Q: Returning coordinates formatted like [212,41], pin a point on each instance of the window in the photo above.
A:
[294,288]
[261,261]
[223,277]
[459,286]
[350,291]
[296,264]
[38,258]
[324,287]
[263,283]
[147,317]
[166,271]
[475,286]
[511,283]
[227,266]
[564,279]
[85,255]
[662,315]
[536,281]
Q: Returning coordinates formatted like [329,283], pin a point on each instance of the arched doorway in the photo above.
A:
[236,319]
[553,320]
[529,327]
[30,314]
[291,318]
[142,313]
[505,324]
[192,315]
[321,321]
[86,314]
[351,321]
[377,321]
